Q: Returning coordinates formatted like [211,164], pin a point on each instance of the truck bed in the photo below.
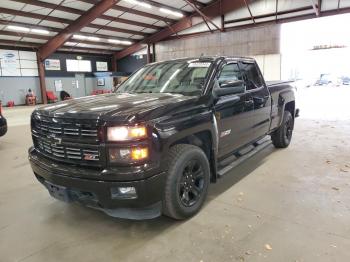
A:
[274,83]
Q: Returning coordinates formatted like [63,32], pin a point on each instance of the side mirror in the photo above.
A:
[230,88]
[227,84]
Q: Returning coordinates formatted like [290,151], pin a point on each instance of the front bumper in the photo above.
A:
[98,193]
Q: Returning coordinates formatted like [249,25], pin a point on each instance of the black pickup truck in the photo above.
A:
[3,123]
[154,146]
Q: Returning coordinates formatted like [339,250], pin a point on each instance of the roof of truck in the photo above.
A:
[208,58]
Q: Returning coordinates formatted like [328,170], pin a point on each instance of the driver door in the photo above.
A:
[232,113]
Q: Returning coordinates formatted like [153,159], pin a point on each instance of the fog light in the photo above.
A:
[119,155]
[127,155]
[139,153]
[123,192]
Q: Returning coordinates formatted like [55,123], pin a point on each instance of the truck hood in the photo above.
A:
[117,107]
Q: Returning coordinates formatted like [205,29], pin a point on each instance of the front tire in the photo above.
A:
[3,131]
[187,182]
[283,135]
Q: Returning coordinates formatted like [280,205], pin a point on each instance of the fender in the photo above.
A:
[284,98]
[171,133]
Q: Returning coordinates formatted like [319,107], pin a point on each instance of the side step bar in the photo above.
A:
[243,154]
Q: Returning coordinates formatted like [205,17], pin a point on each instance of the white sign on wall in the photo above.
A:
[101,66]
[53,64]
[58,85]
[9,63]
[18,63]
[78,65]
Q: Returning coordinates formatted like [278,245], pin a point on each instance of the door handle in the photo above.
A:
[260,100]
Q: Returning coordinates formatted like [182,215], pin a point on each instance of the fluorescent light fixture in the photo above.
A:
[70,43]
[18,28]
[145,5]
[93,38]
[170,12]
[40,31]
[135,2]
[125,42]
[116,41]
[81,37]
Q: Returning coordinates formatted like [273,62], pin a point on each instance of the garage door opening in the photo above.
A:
[316,54]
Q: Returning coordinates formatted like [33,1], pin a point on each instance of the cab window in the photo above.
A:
[252,75]
[230,72]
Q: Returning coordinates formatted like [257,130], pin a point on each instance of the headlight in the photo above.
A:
[125,133]
[126,155]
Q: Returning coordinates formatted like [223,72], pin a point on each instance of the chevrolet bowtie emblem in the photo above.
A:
[57,141]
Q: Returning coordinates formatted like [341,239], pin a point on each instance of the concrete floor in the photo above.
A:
[281,205]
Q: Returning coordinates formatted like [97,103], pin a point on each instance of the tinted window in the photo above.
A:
[176,77]
[252,74]
[230,72]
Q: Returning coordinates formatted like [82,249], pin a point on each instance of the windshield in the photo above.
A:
[176,77]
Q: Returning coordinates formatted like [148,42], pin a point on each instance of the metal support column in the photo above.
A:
[41,70]
[149,56]
[114,63]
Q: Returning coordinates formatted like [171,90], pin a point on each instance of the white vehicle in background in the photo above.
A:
[328,79]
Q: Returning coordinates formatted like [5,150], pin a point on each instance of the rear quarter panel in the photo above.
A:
[281,93]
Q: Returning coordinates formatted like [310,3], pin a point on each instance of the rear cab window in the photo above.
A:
[230,72]
[252,75]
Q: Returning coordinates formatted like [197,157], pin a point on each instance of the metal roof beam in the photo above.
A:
[158,5]
[299,17]
[250,11]
[56,42]
[133,11]
[315,7]
[213,10]
[204,17]
[69,22]
[278,13]
[45,37]
[18,43]
[34,16]
[48,28]
[197,3]
[57,30]
[81,12]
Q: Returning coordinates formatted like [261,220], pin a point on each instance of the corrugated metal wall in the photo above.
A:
[245,42]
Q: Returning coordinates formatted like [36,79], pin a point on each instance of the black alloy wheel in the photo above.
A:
[187,182]
[191,184]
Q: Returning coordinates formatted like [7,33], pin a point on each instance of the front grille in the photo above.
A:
[67,140]
[67,152]
[66,128]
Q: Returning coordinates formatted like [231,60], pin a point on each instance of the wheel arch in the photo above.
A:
[204,140]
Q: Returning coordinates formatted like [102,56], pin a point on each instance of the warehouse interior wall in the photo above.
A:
[261,43]
[69,84]
[16,88]
[270,66]
[17,79]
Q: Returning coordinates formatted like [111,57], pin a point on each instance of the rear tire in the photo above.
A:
[187,181]
[283,135]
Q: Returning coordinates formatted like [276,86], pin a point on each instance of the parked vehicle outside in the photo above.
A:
[345,80]
[328,79]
